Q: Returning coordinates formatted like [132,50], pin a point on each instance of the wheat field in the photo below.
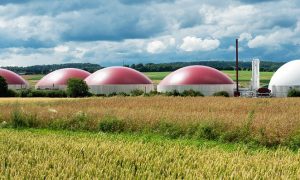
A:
[275,119]
[39,154]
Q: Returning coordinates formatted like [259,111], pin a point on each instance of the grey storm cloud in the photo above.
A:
[105,25]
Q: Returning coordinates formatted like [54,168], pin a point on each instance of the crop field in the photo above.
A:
[156,77]
[41,154]
[268,121]
[149,137]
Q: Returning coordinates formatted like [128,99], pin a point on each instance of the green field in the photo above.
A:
[45,154]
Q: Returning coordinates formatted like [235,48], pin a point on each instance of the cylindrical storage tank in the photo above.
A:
[13,80]
[59,79]
[118,79]
[204,79]
[285,78]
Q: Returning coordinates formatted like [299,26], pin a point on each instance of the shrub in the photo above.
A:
[41,93]
[169,130]
[184,93]
[3,87]
[77,88]
[294,142]
[11,93]
[111,124]
[241,134]
[123,94]
[3,124]
[23,92]
[18,119]
[100,95]
[79,121]
[172,93]
[112,94]
[37,93]
[136,92]
[231,136]
[207,131]
[221,93]
[59,123]
[21,120]
[56,93]
[191,93]
[152,93]
[293,93]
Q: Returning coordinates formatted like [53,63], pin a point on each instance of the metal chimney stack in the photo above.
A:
[237,92]
[255,81]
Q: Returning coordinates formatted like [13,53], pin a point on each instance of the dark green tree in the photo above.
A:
[77,88]
[3,87]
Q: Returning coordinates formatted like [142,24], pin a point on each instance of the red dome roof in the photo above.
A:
[61,76]
[11,77]
[117,75]
[196,75]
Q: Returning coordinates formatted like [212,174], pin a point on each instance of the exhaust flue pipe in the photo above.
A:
[237,93]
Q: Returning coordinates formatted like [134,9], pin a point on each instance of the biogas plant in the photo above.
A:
[204,79]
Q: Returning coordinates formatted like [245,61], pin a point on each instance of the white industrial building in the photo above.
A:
[204,79]
[13,80]
[285,78]
[59,79]
[118,80]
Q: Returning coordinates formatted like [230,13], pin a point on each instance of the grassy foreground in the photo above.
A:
[40,154]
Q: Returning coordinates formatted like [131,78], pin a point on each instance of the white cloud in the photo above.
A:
[43,28]
[245,36]
[275,39]
[172,41]
[231,48]
[156,47]
[228,21]
[197,44]
[147,27]
[61,49]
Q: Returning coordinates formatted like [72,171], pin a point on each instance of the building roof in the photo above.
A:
[12,78]
[287,75]
[117,75]
[193,75]
[61,76]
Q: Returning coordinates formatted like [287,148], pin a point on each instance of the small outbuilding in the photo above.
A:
[118,79]
[59,79]
[13,80]
[204,79]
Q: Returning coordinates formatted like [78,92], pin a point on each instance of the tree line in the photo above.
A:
[266,66]
[45,69]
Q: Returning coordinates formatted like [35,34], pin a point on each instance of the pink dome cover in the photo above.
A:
[192,75]
[117,75]
[61,76]
[12,78]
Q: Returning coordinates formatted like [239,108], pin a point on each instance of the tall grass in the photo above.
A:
[264,121]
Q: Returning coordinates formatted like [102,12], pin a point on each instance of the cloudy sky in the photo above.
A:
[108,32]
